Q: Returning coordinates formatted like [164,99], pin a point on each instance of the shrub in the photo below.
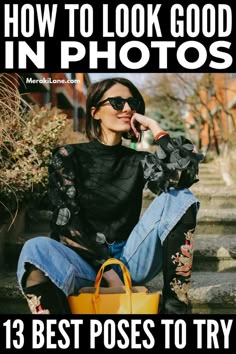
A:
[27,136]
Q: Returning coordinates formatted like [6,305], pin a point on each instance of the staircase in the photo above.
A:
[213,288]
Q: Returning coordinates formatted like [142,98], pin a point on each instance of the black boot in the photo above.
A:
[46,298]
[177,265]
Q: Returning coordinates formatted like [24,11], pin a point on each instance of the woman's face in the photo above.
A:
[114,121]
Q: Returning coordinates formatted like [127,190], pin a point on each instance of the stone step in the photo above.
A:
[210,220]
[210,292]
[211,252]
[209,197]
[216,221]
[214,292]
[12,250]
[211,182]
[216,172]
[214,253]
[210,167]
[214,182]
[11,298]
[209,173]
[212,197]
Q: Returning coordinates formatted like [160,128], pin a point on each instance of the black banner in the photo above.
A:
[112,36]
[121,334]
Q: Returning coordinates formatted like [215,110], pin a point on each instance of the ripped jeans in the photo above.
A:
[142,252]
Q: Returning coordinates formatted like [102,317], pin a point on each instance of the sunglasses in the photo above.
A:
[118,103]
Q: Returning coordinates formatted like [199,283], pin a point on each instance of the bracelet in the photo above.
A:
[159,135]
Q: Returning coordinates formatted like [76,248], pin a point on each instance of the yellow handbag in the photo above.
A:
[114,300]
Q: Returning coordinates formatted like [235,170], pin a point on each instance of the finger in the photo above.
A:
[74,233]
[132,123]
[142,127]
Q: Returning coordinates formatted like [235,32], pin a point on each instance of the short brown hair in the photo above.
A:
[96,92]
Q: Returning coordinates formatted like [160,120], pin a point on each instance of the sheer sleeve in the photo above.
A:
[174,164]
[67,224]
[61,187]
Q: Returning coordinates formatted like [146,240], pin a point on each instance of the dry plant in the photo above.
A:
[27,137]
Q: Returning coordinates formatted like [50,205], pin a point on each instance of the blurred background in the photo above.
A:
[39,111]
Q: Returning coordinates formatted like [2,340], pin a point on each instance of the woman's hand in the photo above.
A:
[112,278]
[140,122]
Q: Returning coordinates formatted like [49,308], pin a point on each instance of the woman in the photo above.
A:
[96,189]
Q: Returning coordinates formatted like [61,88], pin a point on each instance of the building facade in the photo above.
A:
[67,91]
[211,122]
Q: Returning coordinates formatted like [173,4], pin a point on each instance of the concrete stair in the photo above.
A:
[213,288]
[214,253]
[210,293]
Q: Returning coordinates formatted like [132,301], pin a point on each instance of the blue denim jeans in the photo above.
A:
[141,253]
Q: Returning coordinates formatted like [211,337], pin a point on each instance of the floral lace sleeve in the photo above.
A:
[67,224]
[174,164]
[61,189]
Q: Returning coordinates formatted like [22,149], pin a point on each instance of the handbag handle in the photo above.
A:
[125,272]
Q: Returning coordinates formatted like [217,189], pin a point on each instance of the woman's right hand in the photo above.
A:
[140,122]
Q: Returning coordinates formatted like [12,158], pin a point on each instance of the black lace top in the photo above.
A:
[96,190]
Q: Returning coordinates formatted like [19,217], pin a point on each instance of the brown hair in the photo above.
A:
[95,93]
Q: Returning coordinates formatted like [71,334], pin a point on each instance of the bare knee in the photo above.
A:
[34,276]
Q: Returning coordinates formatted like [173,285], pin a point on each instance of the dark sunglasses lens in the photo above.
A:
[133,103]
[117,103]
